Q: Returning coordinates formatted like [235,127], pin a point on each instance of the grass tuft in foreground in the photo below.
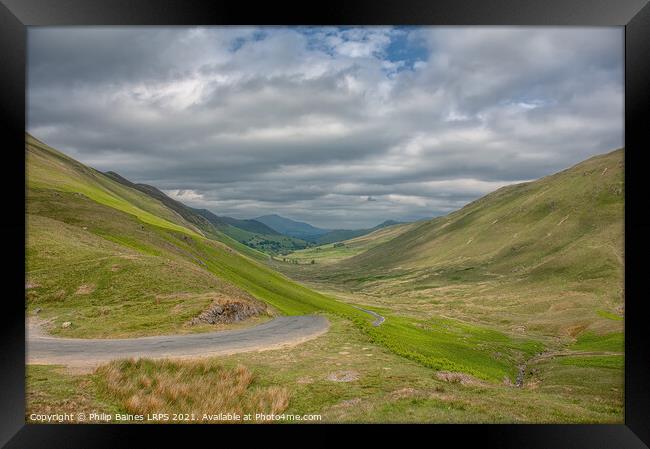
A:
[146,386]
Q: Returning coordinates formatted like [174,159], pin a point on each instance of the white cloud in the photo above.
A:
[310,122]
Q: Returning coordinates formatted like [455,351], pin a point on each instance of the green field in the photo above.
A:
[532,258]
[459,294]
[335,252]
[271,244]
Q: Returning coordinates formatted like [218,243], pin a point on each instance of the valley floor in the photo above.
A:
[350,374]
[343,377]
[507,313]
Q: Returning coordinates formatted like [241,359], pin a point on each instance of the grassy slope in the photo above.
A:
[274,244]
[391,389]
[208,229]
[118,276]
[518,227]
[335,252]
[542,258]
[50,169]
[166,271]
[64,197]
[545,230]
[339,235]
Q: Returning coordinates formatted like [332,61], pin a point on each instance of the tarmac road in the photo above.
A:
[378,318]
[279,332]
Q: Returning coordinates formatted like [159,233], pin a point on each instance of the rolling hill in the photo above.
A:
[113,261]
[107,260]
[536,229]
[543,257]
[251,233]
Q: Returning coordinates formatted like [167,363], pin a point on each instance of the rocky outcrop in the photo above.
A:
[229,311]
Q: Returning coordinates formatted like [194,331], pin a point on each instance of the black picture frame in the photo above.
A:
[16,15]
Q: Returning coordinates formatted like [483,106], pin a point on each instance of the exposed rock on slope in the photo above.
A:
[223,311]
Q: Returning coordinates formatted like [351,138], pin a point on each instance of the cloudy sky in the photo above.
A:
[339,127]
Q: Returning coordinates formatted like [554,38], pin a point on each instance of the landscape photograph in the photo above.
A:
[233,224]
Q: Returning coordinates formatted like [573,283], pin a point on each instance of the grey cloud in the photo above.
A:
[309,123]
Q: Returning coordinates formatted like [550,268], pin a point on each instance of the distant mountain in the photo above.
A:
[338,235]
[310,233]
[292,228]
[387,223]
[251,233]
[247,225]
[269,233]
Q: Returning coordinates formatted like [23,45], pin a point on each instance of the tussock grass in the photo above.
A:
[145,386]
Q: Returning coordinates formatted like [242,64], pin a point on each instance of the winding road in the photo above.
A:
[280,332]
[378,318]
[79,352]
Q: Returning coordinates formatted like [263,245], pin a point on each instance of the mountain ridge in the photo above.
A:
[292,228]
[545,255]
[250,233]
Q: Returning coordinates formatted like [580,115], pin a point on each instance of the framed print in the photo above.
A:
[363,213]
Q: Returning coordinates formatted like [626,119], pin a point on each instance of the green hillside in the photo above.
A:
[338,235]
[544,257]
[112,261]
[220,222]
[335,252]
[251,233]
[48,168]
[531,229]
[67,201]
